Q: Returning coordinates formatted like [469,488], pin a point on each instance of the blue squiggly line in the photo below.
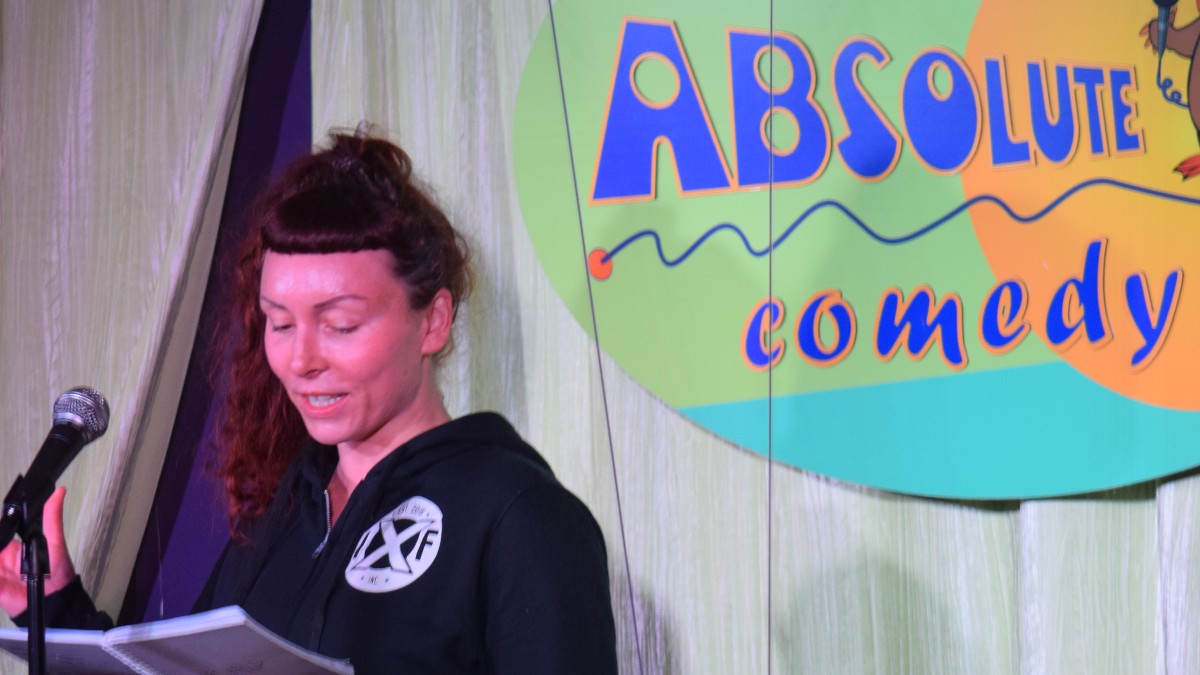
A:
[1173,96]
[834,204]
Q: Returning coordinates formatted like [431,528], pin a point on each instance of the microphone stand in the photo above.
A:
[35,563]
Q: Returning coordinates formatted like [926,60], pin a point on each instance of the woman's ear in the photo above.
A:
[439,316]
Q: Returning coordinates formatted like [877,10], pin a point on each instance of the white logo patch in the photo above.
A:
[399,548]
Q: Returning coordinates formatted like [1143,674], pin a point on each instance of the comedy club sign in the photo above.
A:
[944,249]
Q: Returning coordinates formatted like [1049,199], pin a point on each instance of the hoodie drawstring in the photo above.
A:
[328,526]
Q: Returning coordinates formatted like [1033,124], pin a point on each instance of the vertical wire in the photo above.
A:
[770,299]
[162,589]
[1018,603]
[599,360]
[1164,566]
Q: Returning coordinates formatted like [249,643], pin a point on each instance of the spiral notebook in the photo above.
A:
[223,640]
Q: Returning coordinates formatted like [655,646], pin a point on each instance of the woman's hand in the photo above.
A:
[14,593]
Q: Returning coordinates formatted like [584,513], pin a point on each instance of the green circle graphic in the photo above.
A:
[687,269]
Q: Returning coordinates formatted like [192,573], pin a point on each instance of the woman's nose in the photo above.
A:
[306,353]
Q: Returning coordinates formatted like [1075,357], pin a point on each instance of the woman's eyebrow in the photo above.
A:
[324,304]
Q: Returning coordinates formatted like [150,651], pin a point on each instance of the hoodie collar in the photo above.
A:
[319,461]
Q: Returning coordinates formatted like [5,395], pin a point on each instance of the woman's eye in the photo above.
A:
[280,327]
[344,330]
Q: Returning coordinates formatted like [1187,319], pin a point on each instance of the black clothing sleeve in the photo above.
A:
[70,607]
[547,591]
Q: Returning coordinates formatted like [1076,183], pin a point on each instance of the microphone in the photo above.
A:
[1164,19]
[80,417]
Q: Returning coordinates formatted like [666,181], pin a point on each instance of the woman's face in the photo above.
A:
[353,356]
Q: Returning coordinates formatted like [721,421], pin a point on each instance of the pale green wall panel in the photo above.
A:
[1089,584]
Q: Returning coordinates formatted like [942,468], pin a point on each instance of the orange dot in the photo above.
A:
[600,268]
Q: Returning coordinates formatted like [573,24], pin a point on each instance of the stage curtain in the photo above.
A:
[116,122]
[721,563]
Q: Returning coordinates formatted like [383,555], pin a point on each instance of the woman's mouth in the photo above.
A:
[323,400]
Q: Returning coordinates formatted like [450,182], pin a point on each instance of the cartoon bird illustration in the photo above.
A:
[1185,41]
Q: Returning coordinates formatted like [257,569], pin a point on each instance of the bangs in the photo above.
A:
[324,219]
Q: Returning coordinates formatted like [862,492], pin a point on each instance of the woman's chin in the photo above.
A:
[323,432]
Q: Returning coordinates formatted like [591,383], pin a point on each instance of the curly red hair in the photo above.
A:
[357,194]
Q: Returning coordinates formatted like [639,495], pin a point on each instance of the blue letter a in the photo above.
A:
[636,125]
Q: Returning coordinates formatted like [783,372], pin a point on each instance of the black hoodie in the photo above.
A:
[459,552]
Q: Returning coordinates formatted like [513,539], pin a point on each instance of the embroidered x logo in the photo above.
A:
[421,537]
[392,541]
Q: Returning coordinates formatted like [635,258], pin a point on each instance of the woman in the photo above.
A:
[366,523]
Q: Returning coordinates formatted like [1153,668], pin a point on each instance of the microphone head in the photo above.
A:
[85,408]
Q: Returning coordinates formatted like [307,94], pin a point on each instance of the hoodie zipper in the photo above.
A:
[328,526]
